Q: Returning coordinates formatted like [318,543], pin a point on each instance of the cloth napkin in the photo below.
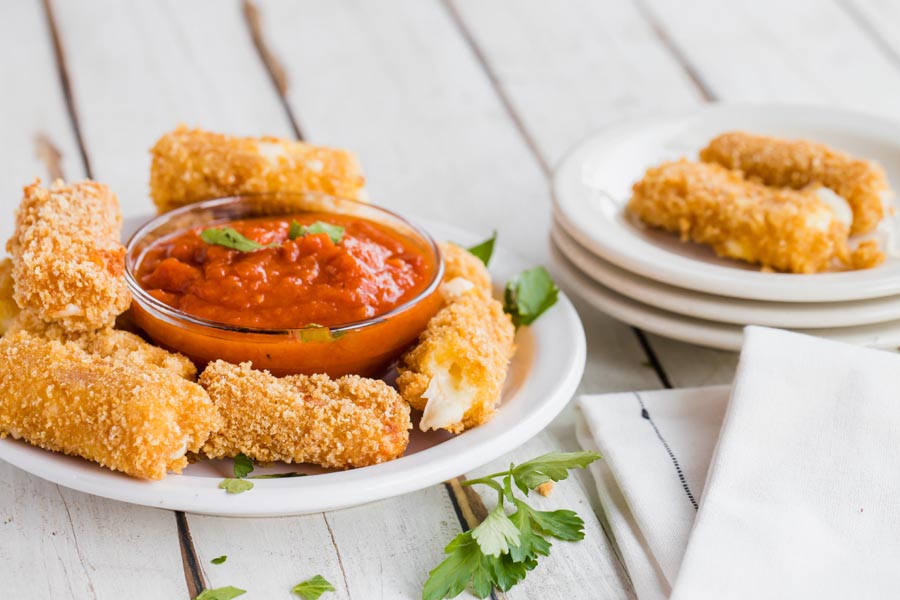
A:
[785,485]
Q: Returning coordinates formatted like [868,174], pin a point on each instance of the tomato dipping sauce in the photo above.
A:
[288,283]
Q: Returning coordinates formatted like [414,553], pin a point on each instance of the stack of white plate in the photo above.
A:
[650,279]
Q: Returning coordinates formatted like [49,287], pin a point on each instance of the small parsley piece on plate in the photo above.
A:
[219,560]
[243,466]
[230,238]
[528,295]
[485,249]
[236,486]
[223,593]
[503,548]
[335,232]
[312,588]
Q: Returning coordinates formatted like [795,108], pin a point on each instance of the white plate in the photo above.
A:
[593,183]
[723,336]
[722,308]
[543,376]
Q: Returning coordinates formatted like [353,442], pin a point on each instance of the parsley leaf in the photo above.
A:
[555,466]
[243,466]
[236,486]
[496,533]
[223,593]
[219,560]
[528,295]
[312,588]
[230,238]
[335,232]
[485,249]
[504,548]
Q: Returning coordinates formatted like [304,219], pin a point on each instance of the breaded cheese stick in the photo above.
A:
[345,422]
[107,343]
[139,419]
[8,307]
[781,229]
[459,262]
[455,373]
[799,163]
[68,263]
[190,165]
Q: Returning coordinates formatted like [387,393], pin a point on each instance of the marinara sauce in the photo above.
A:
[288,283]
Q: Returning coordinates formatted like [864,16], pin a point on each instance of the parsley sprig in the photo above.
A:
[231,238]
[504,547]
[485,249]
[334,232]
[528,295]
[312,588]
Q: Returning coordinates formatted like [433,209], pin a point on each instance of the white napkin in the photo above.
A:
[802,497]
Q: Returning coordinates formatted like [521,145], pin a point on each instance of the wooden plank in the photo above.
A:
[84,550]
[436,141]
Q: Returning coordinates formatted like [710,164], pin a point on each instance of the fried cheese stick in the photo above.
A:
[140,419]
[190,165]
[459,262]
[345,422]
[68,263]
[781,229]
[456,371]
[799,163]
[8,307]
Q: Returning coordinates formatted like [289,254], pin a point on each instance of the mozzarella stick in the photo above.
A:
[68,263]
[799,163]
[190,165]
[8,307]
[782,229]
[140,419]
[455,373]
[459,262]
[345,422]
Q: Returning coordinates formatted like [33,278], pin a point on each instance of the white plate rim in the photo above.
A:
[722,336]
[680,271]
[557,368]
[813,315]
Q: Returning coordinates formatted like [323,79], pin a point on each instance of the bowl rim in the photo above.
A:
[142,297]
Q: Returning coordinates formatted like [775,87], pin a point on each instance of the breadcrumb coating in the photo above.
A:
[345,422]
[799,163]
[190,165]
[137,418]
[68,263]
[781,229]
[459,262]
[455,373]
[8,307]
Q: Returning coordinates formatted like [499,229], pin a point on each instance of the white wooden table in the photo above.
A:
[458,110]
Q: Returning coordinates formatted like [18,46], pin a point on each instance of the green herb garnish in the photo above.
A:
[236,486]
[485,249]
[503,548]
[230,238]
[243,466]
[223,593]
[312,588]
[528,295]
[335,232]
[219,560]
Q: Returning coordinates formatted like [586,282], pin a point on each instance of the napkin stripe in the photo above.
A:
[645,414]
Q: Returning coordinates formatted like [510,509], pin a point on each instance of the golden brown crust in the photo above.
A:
[140,419]
[68,263]
[345,422]
[190,165]
[459,262]
[781,229]
[8,307]
[467,344]
[799,163]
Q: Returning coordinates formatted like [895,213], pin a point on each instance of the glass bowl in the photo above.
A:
[366,347]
